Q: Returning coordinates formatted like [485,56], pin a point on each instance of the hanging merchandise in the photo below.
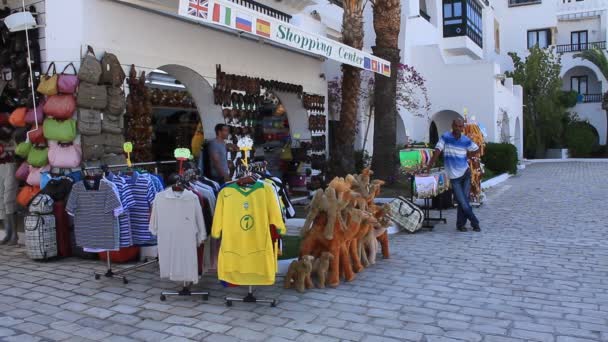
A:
[64,155]
[139,124]
[22,171]
[40,233]
[94,204]
[243,216]
[33,177]
[92,96]
[48,81]
[23,149]
[111,124]
[111,71]
[90,68]
[113,143]
[17,117]
[26,194]
[35,115]
[116,101]
[67,83]
[60,107]
[64,131]
[58,188]
[143,190]
[38,156]
[89,121]
[92,147]
[177,220]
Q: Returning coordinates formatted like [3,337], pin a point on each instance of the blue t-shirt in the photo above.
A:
[455,153]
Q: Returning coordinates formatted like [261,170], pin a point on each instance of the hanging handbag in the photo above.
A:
[23,149]
[92,96]
[116,101]
[26,194]
[37,136]
[67,83]
[89,121]
[60,106]
[113,159]
[17,118]
[64,131]
[405,214]
[286,154]
[33,178]
[38,156]
[48,82]
[92,147]
[32,116]
[112,73]
[113,143]
[22,171]
[40,236]
[41,204]
[64,155]
[58,188]
[111,124]
[90,68]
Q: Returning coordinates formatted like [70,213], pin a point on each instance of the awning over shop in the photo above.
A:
[230,15]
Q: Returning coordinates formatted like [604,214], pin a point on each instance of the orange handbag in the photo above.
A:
[17,118]
[26,194]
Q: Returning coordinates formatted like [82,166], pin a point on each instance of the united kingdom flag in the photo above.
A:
[198,8]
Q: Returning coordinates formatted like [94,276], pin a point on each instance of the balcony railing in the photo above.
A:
[513,3]
[591,98]
[580,47]
[266,10]
[565,7]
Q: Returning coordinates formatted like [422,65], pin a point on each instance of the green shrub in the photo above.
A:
[580,139]
[568,99]
[500,158]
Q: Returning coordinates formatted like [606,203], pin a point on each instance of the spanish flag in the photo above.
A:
[263,28]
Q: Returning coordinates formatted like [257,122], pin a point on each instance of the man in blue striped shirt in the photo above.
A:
[457,148]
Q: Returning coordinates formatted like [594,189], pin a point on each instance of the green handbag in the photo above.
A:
[23,149]
[38,156]
[63,131]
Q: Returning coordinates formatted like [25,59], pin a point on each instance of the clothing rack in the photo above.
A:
[119,274]
[428,222]
[185,291]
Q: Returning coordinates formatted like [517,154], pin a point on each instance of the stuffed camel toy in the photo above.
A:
[320,267]
[298,274]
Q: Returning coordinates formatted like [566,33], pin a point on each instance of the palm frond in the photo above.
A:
[597,57]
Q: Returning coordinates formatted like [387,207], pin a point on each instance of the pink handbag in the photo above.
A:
[60,107]
[22,171]
[67,83]
[30,116]
[64,155]
[34,177]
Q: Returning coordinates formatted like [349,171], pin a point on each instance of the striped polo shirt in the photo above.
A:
[455,153]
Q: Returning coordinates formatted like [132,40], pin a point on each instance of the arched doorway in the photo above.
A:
[433,134]
[443,121]
[505,135]
[517,139]
[401,133]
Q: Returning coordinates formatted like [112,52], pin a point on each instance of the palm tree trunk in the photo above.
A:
[343,155]
[387,23]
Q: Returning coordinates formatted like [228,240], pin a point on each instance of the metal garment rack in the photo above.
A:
[185,291]
[120,274]
[250,298]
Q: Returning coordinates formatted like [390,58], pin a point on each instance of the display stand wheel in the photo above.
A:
[205,297]
[163,298]
[273,304]
[228,303]
[125,281]
[97,276]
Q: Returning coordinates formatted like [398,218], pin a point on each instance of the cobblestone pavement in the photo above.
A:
[538,272]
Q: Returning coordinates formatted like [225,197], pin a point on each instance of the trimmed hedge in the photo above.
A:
[500,158]
[581,139]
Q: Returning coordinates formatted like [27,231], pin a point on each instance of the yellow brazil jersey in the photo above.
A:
[242,219]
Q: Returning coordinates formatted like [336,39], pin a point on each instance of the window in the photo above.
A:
[496,36]
[513,3]
[423,11]
[579,84]
[578,40]
[452,12]
[542,38]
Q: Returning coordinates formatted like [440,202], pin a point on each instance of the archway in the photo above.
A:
[517,139]
[443,120]
[433,134]
[505,134]
[583,80]
[401,133]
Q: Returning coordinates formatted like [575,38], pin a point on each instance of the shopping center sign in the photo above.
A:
[228,14]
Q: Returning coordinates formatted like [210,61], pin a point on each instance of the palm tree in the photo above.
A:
[387,23]
[343,156]
[598,57]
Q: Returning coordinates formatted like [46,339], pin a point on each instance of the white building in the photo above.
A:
[570,26]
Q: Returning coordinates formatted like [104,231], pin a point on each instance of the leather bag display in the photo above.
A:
[92,147]
[117,103]
[36,136]
[31,116]
[89,121]
[48,81]
[22,171]
[17,118]
[26,194]
[38,156]
[60,106]
[113,143]
[111,124]
[67,83]
[64,155]
[90,68]
[111,70]
[33,178]
[92,96]
[407,215]
[64,131]
[23,149]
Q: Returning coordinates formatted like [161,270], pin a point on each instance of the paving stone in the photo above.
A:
[6,332]
[183,331]
[53,335]
[125,309]
[245,334]
[22,338]
[532,335]
[149,335]
[344,334]
[98,312]
[220,338]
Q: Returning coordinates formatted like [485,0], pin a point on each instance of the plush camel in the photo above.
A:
[298,274]
[320,267]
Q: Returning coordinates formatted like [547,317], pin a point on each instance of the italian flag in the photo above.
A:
[222,14]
